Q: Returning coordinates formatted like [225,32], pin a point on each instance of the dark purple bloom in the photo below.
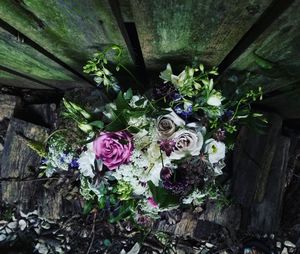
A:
[167,145]
[227,115]
[177,188]
[219,135]
[166,90]
[166,173]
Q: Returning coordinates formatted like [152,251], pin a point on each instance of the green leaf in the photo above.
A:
[128,95]
[106,243]
[88,206]
[121,103]
[98,124]
[161,196]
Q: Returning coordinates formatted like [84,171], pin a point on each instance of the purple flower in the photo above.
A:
[167,145]
[166,173]
[219,135]
[227,116]
[113,148]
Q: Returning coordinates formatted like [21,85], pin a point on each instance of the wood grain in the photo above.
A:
[279,46]
[70,30]
[184,32]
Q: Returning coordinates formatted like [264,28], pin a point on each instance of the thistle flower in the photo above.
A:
[219,135]
[166,173]
[167,146]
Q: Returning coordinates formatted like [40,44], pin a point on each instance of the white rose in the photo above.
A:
[215,100]
[215,150]
[188,142]
[167,124]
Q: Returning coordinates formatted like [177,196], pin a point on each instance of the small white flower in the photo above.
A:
[87,161]
[215,150]
[136,98]
[215,100]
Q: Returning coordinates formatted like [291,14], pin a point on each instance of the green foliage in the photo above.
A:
[124,190]
[82,117]
[38,147]
[98,66]
[162,197]
[192,81]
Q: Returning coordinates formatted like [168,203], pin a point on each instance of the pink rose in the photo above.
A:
[113,148]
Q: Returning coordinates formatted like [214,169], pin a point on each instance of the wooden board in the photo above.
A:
[8,79]
[17,188]
[26,60]
[70,30]
[190,31]
[285,103]
[279,45]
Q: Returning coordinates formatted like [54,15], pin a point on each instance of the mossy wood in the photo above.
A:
[191,31]
[274,58]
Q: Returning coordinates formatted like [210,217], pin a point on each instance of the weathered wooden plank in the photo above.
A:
[17,157]
[252,160]
[70,30]
[274,58]
[260,172]
[9,79]
[8,104]
[23,58]
[192,31]
[16,187]
[286,103]
[266,215]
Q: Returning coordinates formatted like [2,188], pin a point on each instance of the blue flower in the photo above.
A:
[74,163]
[184,112]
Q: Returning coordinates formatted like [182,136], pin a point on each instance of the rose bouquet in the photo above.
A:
[140,155]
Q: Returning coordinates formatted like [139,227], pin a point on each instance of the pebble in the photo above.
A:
[272,236]
[284,251]
[209,245]
[2,237]
[12,225]
[278,245]
[289,244]
[22,224]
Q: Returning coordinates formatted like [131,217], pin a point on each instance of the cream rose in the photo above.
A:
[167,124]
[215,150]
[188,142]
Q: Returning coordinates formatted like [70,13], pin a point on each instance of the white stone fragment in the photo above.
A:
[289,244]
[22,224]
[284,251]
